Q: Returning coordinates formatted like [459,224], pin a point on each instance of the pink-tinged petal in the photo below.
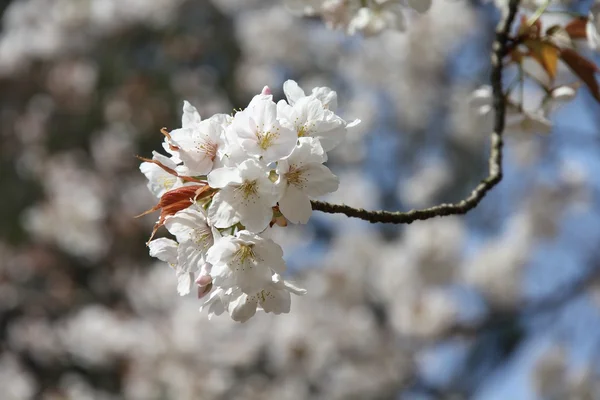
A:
[319,180]
[203,280]
[190,116]
[295,205]
[266,91]
[219,178]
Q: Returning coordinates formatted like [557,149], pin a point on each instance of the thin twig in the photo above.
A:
[500,50]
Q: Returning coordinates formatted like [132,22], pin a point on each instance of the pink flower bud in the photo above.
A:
[203,291]
[203,280]
[266,90]
[204,283]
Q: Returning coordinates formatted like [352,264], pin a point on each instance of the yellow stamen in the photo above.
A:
[249,188]
[244,253]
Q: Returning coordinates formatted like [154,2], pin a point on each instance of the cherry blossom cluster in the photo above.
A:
[226,180]
[369,17]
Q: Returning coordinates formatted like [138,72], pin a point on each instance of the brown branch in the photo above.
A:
[500,50]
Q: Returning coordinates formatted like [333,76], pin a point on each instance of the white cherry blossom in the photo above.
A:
[200,144]
[247,196]
[293,92]
[310,115]
[159,180]
[301,175]
[246,261]
[274,298]
[258,131]
[165,250]
[195,237]
[190,120]
[265,156]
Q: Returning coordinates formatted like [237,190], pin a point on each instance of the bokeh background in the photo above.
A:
[502,303]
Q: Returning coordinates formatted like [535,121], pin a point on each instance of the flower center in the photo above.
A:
[266,139]
[265,295]
[244,253]
[202,237]
[294,176]
[302,131]
[209,148]
[167,182]
[249,188]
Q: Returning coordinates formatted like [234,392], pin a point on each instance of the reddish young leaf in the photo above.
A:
[576,28]
[177,200]
[583,68]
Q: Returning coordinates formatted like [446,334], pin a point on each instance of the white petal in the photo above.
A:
[159,180]
[190,116]
[219,178]
[184,283]
[319,180]
[308,150]
[255,214]
[223,211]
[242,309]
[292,91]
[271,255]
[353,123]
[276,301]
[295,205]
[190,257]
[563,94]
[294,289]
[221,252]
[164,249]
[327,97]
[282,147]
[185,223]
